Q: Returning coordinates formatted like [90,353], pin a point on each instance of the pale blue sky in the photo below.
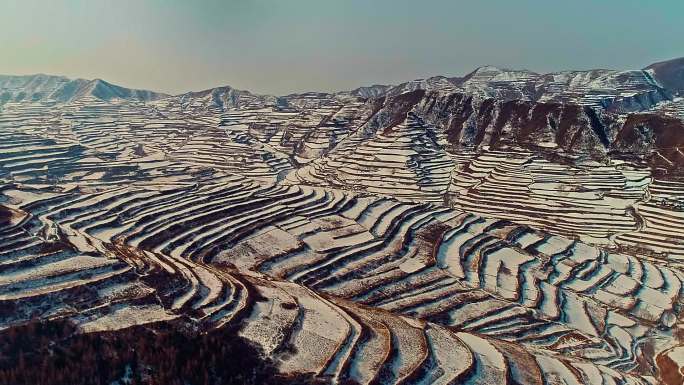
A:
[281,46]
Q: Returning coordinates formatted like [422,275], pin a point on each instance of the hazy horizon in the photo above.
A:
[277,47]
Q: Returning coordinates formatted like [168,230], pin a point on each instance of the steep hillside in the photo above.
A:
[469,122]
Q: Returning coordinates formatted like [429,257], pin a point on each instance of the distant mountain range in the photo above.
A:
[624,91]
[621,91]
[573,111]
[41,88]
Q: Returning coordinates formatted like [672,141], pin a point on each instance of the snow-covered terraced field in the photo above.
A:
[388,308]
[494,278]
[354,240]
[405,162]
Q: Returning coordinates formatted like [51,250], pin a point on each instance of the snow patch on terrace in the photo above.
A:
[123,316]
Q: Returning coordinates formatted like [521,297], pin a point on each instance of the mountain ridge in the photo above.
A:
[666,74]
[61,89]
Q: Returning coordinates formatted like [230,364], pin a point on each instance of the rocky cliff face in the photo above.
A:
[469,121]
[472,122]
[659,138]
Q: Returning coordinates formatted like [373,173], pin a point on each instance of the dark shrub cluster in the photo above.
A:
[161,354]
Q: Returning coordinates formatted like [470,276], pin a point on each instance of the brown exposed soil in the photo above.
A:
[646,133]
[458,118]
[667,131]
[399,106]
[670,373]
[10,216]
